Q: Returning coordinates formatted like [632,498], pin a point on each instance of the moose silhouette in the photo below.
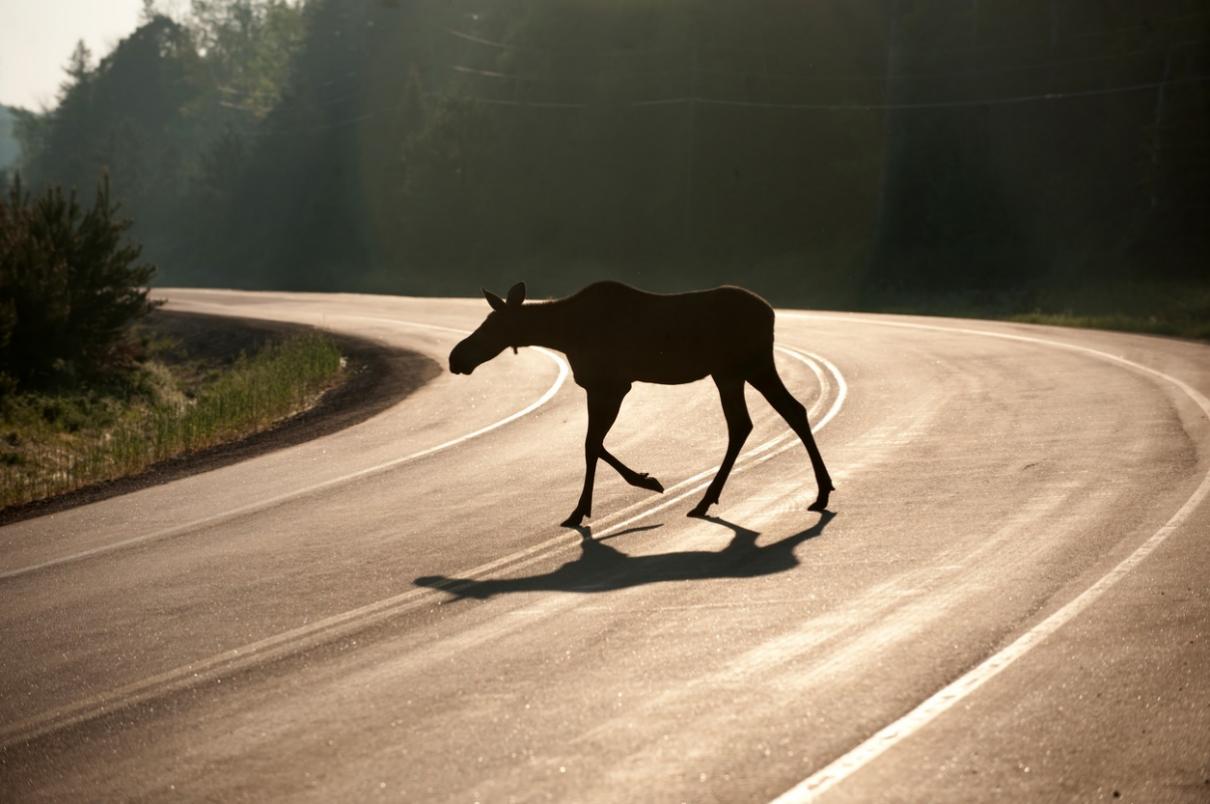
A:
[615,335]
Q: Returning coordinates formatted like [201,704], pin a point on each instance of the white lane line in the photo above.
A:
[770,449]
[355,620]
[262,505]
[686,488]
[824,389]
[818,783]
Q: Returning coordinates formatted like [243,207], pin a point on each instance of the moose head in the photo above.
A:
[501,328]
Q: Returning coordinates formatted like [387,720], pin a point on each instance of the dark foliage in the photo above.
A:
[71,283]
[846,152]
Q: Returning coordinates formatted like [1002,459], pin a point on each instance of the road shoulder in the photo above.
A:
[378,377]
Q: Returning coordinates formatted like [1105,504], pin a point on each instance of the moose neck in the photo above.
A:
[546,324]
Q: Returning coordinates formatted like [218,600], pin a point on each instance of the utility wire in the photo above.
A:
[464,69]
[954,104]
[804,78]
[469,37]
[825,107]
[1144,26]
[1024,43]
[713,101]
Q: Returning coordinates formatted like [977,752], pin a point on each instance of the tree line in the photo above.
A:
[839,152]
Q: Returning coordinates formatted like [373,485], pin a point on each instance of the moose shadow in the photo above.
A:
[601,568]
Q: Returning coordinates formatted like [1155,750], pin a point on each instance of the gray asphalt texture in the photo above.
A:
[391,611]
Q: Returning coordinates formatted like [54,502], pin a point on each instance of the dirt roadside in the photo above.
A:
[377,377]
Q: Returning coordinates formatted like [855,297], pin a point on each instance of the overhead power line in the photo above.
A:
[810,79]
[837,78]
[1146,25]
[822,107]
[1026,43]
[950,104]
[762,75]
[696,97]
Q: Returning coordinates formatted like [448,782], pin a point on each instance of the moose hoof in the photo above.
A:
[573,521]
[699,511]
[820,504]
[646,481]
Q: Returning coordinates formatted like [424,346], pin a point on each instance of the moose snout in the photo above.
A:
[459,362]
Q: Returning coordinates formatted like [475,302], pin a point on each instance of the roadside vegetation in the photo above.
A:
[1154,307]
[1046,160]
[170,404]
[1147,307]
[92,386]
[1177,325]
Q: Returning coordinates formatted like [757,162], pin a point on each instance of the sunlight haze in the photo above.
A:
[37,38]
[605,400]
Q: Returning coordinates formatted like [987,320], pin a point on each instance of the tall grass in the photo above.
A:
[257,391]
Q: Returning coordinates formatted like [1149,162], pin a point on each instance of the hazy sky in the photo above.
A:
[37,37]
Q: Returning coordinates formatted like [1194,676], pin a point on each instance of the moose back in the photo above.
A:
[615,335]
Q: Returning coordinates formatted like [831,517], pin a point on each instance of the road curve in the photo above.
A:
[1008,597]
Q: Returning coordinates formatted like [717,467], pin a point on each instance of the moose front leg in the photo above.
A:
[640,479]
[603,405]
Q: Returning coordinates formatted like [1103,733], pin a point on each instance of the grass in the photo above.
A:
[57,441]
[1179,326]
[1181,310]
[1172,322]
[1155,307]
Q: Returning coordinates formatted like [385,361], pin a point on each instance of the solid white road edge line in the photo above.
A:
[818,783]
[289,642]
[770,449]
[824,388]
[262,505]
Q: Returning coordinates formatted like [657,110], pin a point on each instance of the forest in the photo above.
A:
[998,156]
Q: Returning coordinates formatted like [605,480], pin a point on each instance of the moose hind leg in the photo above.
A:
[739,425]
[640,479]
[774,390]
[603,406]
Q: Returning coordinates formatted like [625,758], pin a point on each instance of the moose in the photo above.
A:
[615,335]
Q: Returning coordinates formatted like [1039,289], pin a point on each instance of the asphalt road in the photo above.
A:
[1007,600]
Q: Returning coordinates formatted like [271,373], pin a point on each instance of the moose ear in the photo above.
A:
[495,301]
[516,294]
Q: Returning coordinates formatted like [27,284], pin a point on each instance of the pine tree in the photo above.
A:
[71,283]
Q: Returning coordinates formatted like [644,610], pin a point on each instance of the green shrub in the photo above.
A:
[70,285]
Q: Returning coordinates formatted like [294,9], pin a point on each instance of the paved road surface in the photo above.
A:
[1008,600]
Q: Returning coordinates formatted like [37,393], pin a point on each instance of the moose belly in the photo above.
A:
[662,366]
